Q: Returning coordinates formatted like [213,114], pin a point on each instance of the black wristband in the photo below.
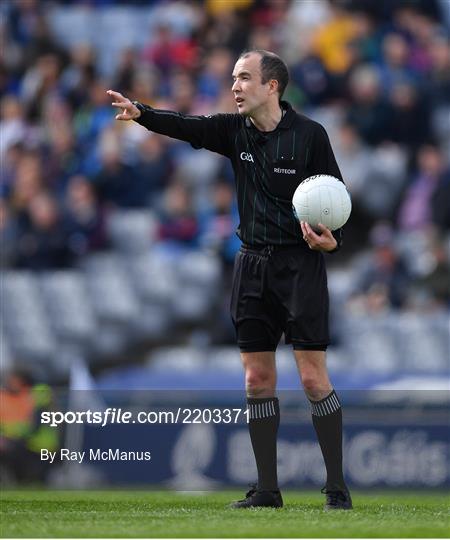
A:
[139,106]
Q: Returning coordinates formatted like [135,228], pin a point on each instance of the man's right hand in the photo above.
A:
[129,110]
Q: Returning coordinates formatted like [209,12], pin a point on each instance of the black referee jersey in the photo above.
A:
[268,166]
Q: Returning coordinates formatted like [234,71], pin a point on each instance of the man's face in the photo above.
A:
[249,92]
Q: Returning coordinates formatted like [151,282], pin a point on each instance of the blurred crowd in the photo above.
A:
[375,73]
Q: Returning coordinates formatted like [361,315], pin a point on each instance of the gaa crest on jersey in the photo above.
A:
[246,156]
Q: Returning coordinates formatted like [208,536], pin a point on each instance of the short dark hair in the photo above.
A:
[272,67]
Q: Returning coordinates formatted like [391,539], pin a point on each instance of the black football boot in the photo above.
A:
[258,498]
[337,498]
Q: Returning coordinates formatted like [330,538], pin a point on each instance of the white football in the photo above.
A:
[322,199]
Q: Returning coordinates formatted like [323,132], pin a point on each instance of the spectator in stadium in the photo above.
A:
[83,219]
[364,46]
[123,77]
[416,208]
[26,184]
[368,110]
[332,39]
[43,243]
[145,84]
[153,169]
[41,80]
[179,228]
[182,92]
[168,51]
[409,118]
[116,183]
[62,159]
[225,26]
[214,74]
[273,242]
[79,74]
[314,81]
[384,272]
[423,32]
[394,68]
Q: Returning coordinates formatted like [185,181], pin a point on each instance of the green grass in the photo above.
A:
[165,514]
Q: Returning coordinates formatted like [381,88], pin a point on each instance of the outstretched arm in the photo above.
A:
[213,132]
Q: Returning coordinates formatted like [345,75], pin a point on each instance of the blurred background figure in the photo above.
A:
[179,227]
[383,276]
[422,205]
[369,111]
[84,220]
[43,242]
[21,434]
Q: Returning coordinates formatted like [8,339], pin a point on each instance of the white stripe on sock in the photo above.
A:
[327,406]
[258,411]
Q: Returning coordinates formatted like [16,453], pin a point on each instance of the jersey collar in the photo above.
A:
[285,122]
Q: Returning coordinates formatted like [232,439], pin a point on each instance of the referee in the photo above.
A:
[279,281]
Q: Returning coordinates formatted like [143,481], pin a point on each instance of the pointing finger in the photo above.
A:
[116,95]
[124,104]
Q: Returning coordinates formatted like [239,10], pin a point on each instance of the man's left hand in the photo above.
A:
[325,241]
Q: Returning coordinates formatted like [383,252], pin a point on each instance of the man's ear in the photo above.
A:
[273,86]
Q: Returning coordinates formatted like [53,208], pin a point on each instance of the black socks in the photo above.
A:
[327,421]
[263,422]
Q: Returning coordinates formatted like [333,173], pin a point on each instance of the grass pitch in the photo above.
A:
[134,514]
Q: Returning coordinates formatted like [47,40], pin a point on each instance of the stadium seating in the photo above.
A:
[25,320]
[68,307]
[132,231]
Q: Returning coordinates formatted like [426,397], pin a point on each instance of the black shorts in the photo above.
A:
[278,290]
